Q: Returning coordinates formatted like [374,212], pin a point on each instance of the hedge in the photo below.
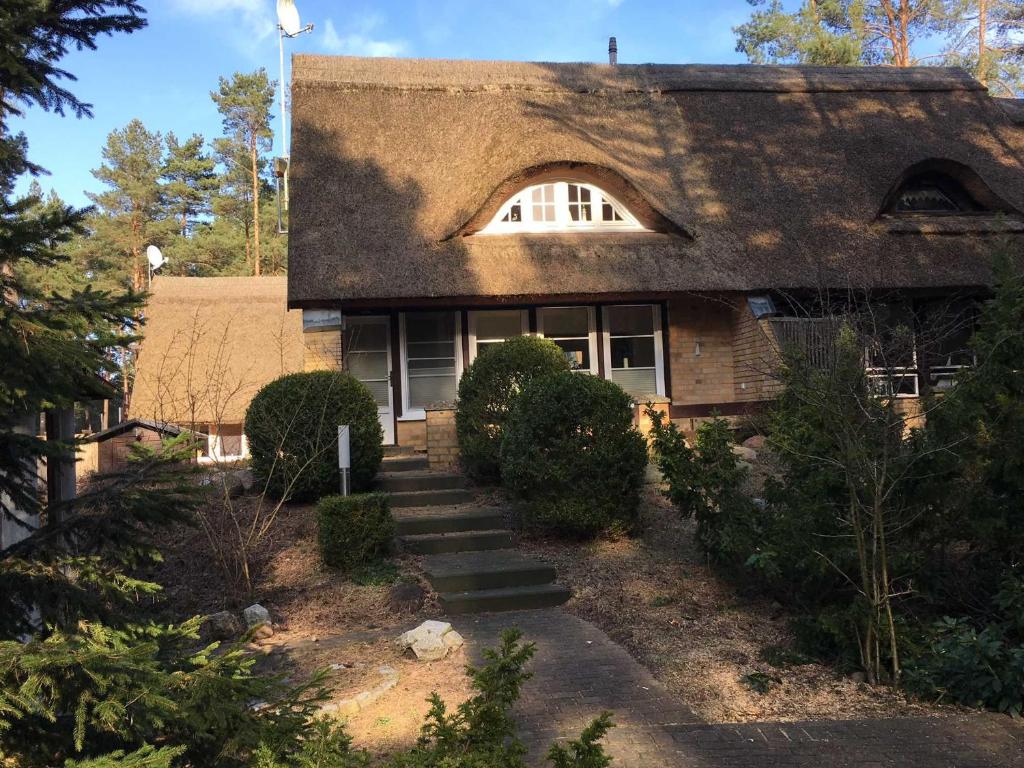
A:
[572,455]
[354,531]
[292,429]
[486,393]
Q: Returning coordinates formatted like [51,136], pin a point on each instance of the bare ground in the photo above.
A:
[658,597]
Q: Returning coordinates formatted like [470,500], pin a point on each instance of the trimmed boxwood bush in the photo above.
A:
[354,531]
[486,392]
[292,428]
[572,455]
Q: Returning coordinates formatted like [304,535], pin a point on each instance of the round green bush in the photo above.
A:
[572,455]
[486,392]
[354,531]
[292,429]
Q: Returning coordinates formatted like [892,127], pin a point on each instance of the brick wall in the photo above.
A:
[700,350]
[754,358]
[442,443]
[412,434]
[321,349]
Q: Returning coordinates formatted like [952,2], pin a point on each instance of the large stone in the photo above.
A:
[222,626]
[746,454]
[756,442]
[430,641]
[257,618]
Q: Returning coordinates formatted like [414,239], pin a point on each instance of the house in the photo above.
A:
[659,223]
[209,345]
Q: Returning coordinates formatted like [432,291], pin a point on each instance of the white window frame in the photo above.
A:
[563,222]
[591,334]
[215,449]
[898,372]
[659,352]
[474,339]
[419,414]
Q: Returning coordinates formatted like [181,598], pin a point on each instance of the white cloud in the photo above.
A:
[359,39]
[256,19]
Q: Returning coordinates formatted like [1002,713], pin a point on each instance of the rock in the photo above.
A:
[858,677]
[429,641]
[257,619]
[222,626]
[245,478]
[407,597]
[746,454]
[756,442]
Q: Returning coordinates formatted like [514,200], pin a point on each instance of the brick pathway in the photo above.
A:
[579,671]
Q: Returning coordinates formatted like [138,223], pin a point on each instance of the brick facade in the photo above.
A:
[321,349]
[442,442]
[754,357]
[412,434]
[700,350]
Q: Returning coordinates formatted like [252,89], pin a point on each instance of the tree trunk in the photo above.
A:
[982,32]
[255,208]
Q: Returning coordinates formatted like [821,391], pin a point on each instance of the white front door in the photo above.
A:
[367,356]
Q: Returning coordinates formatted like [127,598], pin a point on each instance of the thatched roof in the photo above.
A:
[209,344]
[766,176]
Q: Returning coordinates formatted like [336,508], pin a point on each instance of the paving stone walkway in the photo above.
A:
[579,671]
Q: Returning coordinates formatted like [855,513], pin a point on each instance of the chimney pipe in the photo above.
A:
[613,51]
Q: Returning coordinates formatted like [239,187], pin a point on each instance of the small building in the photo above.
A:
[660,223]
[110,449]
[209,345]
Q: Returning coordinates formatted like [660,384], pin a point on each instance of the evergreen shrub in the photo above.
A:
[573,457]
[354,531]
[486,393]
[292,429]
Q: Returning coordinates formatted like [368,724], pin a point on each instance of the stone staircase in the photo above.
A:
[469,556]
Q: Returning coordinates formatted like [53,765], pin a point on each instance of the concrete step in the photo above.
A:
[429,498]
[511,599]
[496,569]
[405,462]
[471,519]
[411,480]
[463,541]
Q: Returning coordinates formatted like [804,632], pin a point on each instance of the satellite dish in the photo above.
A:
[155,257]
[288,17]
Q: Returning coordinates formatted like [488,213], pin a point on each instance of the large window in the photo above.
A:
[431,353]
[891,350]
[572,329]
[633,349]
[495,326]
[561,206]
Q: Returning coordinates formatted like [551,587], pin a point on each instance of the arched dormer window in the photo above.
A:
[933,193]
[561,206]
[941,187]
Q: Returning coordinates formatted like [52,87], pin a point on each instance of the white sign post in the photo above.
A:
[344,459]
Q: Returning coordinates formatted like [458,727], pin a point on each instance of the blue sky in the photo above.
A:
[163,74]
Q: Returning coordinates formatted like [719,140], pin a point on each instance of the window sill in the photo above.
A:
[414,414]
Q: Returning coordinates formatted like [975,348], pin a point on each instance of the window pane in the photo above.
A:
[430,353]
[631,321]
[566,321]
[577,352]
[367,365]
[635,352]
[428,390]
[637,381]
[360,337]
[499,324]
[429,326]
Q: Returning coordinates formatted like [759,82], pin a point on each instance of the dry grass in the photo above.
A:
[305,598]
[658,598]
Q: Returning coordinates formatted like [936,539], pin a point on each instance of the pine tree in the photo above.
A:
[130,213]
[986,37]
[837,32]
[244,103]
[189,176]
